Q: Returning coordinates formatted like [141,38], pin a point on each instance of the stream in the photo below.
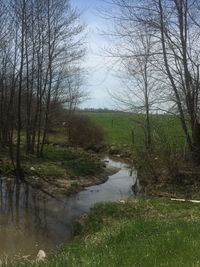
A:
[30,220]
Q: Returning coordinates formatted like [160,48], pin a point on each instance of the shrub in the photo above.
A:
[83,132]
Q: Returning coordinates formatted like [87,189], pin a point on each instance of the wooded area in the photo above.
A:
[41,48]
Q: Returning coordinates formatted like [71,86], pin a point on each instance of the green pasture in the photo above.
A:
[119,126]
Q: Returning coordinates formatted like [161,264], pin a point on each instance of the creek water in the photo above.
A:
[31,220]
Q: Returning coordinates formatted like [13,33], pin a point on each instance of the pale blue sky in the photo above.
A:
[100,77]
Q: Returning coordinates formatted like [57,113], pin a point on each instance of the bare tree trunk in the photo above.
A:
[19,170]
[182,116]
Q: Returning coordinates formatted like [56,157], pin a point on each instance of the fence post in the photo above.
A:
[133,136]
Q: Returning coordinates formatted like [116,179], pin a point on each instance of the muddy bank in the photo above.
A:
[67,186]
[61,171]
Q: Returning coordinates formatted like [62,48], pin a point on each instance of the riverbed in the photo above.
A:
[31,220]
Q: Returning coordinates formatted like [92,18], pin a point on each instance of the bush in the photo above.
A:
[83,132]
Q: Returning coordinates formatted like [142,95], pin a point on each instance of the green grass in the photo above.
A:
[78,164]
[59,154]
[61,162]
[83,167]
[118,127]
[137,233]
[50,170]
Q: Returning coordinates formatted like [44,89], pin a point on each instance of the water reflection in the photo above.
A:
[31,220]
[118,186]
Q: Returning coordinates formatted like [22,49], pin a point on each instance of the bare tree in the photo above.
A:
[39,40]
[178,31]
[139,93]
[74,95]
[22,25]
[175,25]
[132,46]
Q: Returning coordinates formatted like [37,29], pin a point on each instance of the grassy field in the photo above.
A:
[138,233]
[118,127]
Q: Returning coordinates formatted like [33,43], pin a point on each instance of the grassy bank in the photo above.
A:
[168,169]
[60,170]
[137,233]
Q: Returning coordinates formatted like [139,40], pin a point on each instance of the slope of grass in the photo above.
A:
[118,127]
[137,233]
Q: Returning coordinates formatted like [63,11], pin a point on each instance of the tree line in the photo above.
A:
[157,45]
[41,48]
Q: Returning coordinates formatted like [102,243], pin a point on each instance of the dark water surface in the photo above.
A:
[30,220]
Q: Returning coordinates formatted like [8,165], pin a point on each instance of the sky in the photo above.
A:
[100,77]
